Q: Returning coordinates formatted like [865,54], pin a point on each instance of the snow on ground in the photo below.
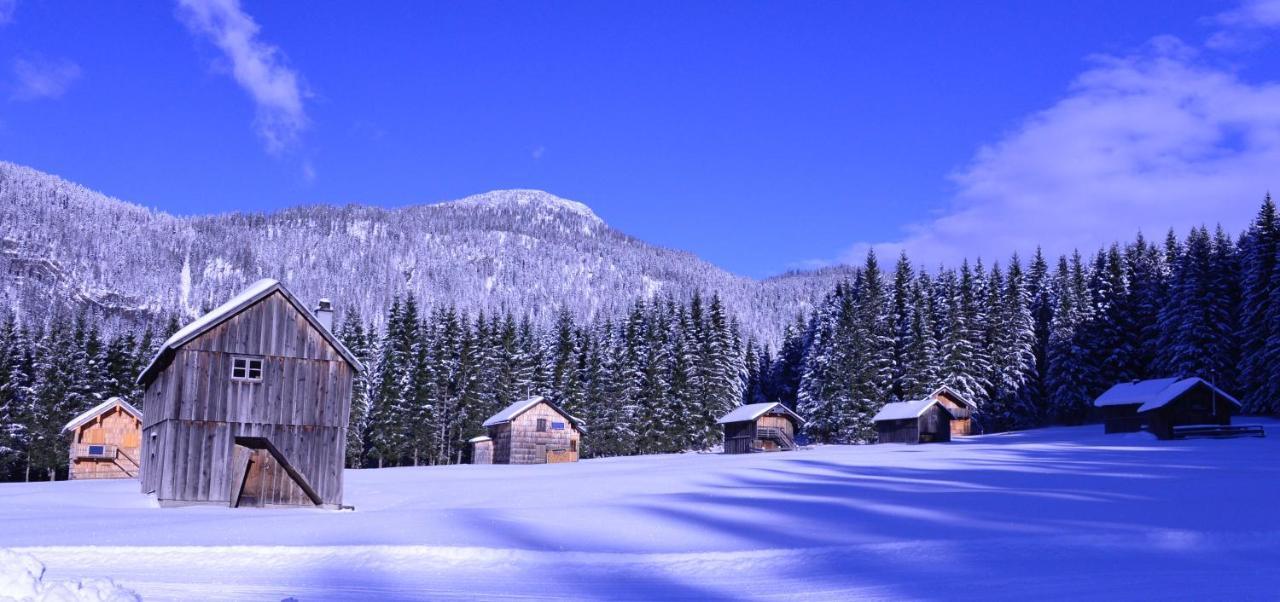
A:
[1051,513]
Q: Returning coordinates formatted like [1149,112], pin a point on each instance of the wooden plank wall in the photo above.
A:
[898,431]
[114,427]
[517,442]
[739,437]
[195,410]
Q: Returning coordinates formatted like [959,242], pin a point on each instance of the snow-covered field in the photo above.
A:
[1053,513]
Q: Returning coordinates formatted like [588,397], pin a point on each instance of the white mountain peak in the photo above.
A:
[527,198]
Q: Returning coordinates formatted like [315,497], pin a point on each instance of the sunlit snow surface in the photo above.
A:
[1047,514]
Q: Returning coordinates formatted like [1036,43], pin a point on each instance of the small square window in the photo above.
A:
[542,425]
[246,369]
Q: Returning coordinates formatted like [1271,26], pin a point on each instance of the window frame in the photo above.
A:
[247,370]
[542,425]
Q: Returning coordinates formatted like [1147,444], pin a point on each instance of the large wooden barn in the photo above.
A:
[760,427]
[532,431]
[248,406]
[105,441]
[920,421]
[1163,404]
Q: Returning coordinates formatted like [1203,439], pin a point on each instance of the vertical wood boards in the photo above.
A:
[520,442]
[195,410]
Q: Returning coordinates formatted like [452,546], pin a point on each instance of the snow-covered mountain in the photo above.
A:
[518,250]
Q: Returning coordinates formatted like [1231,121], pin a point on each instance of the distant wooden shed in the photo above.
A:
[248,406]
[1163,404]
[105,441]
[760,427]
[533,431]
[920,421]
[481,449]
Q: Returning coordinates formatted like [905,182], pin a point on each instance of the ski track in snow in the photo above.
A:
[1049,514]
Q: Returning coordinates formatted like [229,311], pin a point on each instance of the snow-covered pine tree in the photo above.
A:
[1067,377]
[1259,374]
[351,333]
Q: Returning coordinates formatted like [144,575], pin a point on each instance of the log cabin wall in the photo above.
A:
[962,426]
[935,424]
[520,441]
[120,434]
[195,410]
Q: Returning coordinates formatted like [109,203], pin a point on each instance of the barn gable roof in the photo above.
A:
[1155,393]
[99,409]
[954,395]
[903,410]
[510,412]
[753,411]
[246,299]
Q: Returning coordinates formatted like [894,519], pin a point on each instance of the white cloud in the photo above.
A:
[1252,13]
[1145,142]
[39,78]
[6,11]
[258,67]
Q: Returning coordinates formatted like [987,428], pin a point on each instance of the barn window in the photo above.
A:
[557,426]
[246,369]
[542,425]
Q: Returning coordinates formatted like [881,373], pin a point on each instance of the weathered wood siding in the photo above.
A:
[935,424]
[1121,418]
[1198,405]
[520,442]
[482,452]
[121,432]
[898,431]
[194,410]
[739,437]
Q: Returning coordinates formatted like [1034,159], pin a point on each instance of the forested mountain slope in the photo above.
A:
[522,251]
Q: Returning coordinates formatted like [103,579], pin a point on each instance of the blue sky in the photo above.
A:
[760,136]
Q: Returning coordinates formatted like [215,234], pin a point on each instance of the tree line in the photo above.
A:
[1031,342]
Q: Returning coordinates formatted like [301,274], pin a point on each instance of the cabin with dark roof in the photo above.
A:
[1163,405]
[248,406]
[921,421]
[531,431]
[105,441]
[760,427]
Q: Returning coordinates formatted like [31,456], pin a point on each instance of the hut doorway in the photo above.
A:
[262,476]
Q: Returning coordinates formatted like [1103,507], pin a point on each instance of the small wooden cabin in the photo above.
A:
[106,441]
[960,408]
[920,421]
[1164,403]
[248,406]
[533,431]
[481,449]
[760,427]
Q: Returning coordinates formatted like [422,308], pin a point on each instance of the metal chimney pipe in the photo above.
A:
[324,314]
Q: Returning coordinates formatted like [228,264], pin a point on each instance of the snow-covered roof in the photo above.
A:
[256,292]
[93,412]
[753,411]
[902,410]
[1155,393]
[1136,392]
[510,412]
[479,439]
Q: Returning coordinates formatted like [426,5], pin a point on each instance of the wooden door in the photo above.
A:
[540,453]
[250,465]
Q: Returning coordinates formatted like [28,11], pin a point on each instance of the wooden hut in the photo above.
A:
[960,408]
[481,449]
[760,427]
[105,441]
[1164,404]
[534,431]
[248,406]
[921,421]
